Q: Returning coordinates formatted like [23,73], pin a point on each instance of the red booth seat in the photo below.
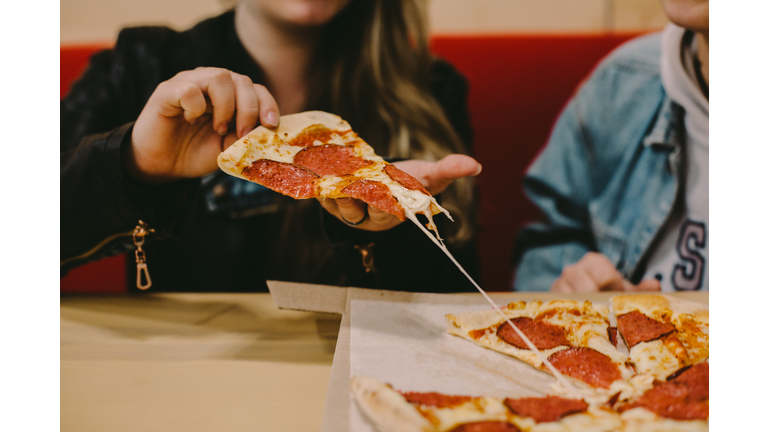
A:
[518,85]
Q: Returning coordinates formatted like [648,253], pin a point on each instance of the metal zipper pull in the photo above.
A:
[367,255]
[141,258]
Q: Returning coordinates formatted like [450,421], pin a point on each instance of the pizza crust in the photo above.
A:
[388,409]
[390,412]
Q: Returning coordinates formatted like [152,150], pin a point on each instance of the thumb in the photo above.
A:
[450,168]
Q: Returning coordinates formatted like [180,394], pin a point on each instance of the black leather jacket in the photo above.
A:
[215,234]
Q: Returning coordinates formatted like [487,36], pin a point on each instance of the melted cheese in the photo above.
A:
[269,150]
[655,358]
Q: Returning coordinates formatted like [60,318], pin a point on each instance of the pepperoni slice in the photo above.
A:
[685,397]
[671,400]
[404,179]
[376,194]
[288,179]
[330,159]
[314,133]
[486,426]
[613,336]
[696,380]
[545,409]
[433,399]
[542,334]
[586,364]
[636,327]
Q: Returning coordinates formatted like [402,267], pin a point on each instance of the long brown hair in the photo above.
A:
[373,70]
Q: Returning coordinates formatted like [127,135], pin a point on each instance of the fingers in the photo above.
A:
[457,165]
[174,98]
[254,102]
[649,285]
[562,286]
[268,111]
[380,218]
[602,271]
[578,279]
[233,97]
[351,210]
[247,104]
[436,176]
[593,272]
[358,214]
[221,91]
[450,168]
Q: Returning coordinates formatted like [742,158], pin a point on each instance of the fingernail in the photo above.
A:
[478,170]
[271,118]
[223,129]
[343,200]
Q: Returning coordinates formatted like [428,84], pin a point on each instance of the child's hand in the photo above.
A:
[595,272]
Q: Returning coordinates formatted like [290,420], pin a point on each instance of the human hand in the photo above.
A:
[435,176]
[595,272]
[186,123]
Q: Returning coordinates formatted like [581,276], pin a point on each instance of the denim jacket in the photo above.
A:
[609,176]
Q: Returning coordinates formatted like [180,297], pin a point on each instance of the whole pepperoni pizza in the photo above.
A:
[649,372]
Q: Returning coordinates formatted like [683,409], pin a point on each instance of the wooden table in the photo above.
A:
[192,362]
[213,362]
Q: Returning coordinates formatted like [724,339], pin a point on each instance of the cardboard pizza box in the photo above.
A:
[387,316]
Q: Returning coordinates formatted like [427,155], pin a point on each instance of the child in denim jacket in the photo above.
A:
[624,180]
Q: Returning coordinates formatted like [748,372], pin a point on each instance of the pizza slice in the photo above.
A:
[576,338]
[315,154]
[681,403]
[392,410]
[664,334]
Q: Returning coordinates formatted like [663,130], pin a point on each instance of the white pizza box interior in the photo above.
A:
[400,338]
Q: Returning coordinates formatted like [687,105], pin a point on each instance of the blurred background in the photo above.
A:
[523,60]
[100,20]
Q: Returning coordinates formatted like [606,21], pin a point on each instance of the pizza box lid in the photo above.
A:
[338,300]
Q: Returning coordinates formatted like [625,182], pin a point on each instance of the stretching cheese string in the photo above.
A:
[564,381]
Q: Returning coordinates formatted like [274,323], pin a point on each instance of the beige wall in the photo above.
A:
[100,20]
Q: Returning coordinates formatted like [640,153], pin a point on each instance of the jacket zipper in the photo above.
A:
[138,233]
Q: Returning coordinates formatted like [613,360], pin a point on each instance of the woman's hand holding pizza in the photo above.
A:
[595,272]
[186,123]
[435,176]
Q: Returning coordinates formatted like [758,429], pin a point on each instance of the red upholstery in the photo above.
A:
[74,58]
[518,85]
